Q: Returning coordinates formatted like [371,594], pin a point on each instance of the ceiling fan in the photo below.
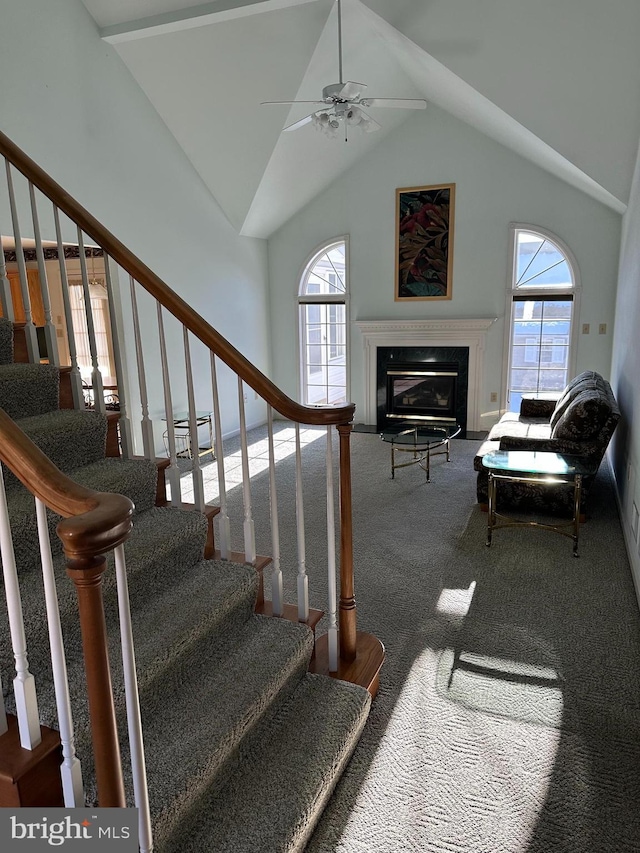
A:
[342,103]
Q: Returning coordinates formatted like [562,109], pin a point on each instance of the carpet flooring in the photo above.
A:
[508,717]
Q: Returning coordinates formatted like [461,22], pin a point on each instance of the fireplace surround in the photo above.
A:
[469,334]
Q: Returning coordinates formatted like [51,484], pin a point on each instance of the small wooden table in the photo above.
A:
[542,468]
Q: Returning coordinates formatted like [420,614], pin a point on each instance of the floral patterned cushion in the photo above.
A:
[581,382]
[584,417]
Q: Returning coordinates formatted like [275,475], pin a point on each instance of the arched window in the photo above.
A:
[322,308]
[542,304]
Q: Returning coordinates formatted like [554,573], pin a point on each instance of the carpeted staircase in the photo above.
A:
[243,745]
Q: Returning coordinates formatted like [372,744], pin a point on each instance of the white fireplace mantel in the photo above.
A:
[469,333]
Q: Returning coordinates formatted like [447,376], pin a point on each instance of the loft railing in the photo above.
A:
[155,354]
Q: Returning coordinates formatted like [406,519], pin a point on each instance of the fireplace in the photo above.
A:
[441,340]
[422,392]
[422,385]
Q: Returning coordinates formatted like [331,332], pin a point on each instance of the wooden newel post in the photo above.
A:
[347,608]
[86,574]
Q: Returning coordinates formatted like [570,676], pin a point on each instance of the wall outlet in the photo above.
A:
[586,328]
[494,397]
[602,329]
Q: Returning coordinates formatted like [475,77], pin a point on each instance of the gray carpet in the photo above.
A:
[508,717]
[222,691]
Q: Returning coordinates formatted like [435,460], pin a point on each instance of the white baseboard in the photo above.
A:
[630,543]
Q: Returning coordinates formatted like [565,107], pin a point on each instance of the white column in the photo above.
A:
[224,533]
[49,329]
[134,720]
[173,472]
[147,426]
[5,288]
[24,686]
[332,595]
[277,596]
[124,422]
[249,532]
[76,378]
[196,470]
[303,581]
[29,329]
[4,727]
[96,376]
[70,769]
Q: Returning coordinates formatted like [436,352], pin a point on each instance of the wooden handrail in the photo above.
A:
[93,522]
[290,409]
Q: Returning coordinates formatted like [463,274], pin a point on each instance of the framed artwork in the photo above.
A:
[424,242]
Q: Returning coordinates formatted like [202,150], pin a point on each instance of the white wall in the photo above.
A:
[626,379]
[70,103]
[494,187]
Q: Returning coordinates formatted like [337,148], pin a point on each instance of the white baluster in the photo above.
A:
[49,329]
[70,769]
[277,596]
[173,472]
[5,288]
[4,726]
[29,328]
[76,378]
[332,595]
[249,531]
[134,721]
[96,375]
[24,687]
[196,470]
[124,423]
[224,533]
[147,425]
[303,581]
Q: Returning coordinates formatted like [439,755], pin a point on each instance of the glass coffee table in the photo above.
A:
[544,469]
[422,442]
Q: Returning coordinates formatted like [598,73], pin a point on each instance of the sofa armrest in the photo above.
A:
[552,445]
[537,407]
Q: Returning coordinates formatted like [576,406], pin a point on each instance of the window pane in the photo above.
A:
[323,331]
[540,263]
[540,348]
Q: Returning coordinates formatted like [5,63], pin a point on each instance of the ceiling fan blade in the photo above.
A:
[300,123]
[351,91]
[397,103]
[272,103]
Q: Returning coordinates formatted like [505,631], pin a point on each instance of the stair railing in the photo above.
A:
[159,349]
[138,351]
[93,524]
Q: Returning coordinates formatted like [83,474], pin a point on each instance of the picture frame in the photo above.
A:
[424,242]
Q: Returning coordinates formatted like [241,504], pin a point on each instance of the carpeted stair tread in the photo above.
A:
[208,701]
[287,770]
[28,390]
[154,563]
[70,438]
[6,341]
[135,478]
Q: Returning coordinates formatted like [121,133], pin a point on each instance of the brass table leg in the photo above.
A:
[491,509]
[577,494]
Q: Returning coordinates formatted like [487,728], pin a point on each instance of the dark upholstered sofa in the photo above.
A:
[580,423]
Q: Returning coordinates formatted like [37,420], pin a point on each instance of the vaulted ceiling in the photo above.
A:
[558,83]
